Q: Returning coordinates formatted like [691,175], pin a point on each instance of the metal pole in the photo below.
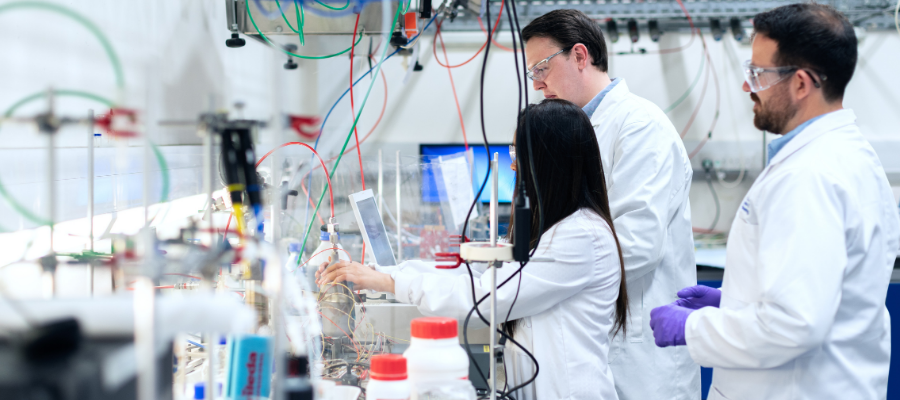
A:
[90,157]
[399,225]
[211,342]
[90,203]
[51,171]
[494,197]
[380,183]
[493,265]
[144,312]
[493,373]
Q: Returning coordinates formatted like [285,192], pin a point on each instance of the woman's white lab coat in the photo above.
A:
[565,308]
[648,175]
[809,261]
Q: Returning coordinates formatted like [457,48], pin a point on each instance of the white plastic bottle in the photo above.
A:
[388,379]
[438,366]
[319,256]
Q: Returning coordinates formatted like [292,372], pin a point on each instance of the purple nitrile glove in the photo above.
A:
[667,323]
[699,296]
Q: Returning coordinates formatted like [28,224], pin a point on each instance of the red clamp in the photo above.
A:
[456,240]
[298,122]
[118,117]
[448,257]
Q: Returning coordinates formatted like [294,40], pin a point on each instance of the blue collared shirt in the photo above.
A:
[595,102]
[776,145]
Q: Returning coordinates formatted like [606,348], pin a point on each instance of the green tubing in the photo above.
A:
[334,8]
[247,3]
[85,95]
[691,88]
[299,29]
[349,135]
[301,20]
[107,46]
[163,169]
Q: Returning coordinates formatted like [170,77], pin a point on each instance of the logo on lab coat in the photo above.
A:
[746,212]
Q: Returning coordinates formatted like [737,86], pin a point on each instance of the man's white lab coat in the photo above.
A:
[648,175]
[565,308]
[809,261]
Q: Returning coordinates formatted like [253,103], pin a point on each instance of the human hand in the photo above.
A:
[667,323]
[363,277]
[699,296]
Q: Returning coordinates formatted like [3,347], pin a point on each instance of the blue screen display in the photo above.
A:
[506,181]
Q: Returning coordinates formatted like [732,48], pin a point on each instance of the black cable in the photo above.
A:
[540,209]
[500,331]
[487,48]
[716,199]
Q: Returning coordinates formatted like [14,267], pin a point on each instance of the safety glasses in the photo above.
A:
[512,153]
[759,78]
[540,70]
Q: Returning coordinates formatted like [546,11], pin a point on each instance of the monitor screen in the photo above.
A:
[378,239]
[506,179]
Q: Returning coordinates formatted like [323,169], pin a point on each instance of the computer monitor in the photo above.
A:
[372,227]
[506,178]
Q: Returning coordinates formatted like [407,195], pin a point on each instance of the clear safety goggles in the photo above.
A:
[540,70]
[759,78]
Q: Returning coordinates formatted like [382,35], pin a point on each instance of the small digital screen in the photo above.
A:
[378,239]
[506,180]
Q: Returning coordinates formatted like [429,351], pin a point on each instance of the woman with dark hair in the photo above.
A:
[564,311]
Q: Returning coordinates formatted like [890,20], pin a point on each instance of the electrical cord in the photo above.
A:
[341,153]
[696,111]
[362,106]
[715,79]
[322,129]
[468,267]
[362,175]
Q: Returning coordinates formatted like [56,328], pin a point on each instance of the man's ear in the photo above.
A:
[580,52]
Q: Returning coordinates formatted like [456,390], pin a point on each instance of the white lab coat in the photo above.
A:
[566,308]
[809,261]
[648,175]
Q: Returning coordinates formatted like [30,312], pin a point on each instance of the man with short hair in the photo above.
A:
[801,313]
[648,175]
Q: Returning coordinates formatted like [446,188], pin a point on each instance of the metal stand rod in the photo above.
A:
[211,342]
[90,203]
[90,158]
[493,374]
[494,265]
[380,182]
[208,184]
[399,215]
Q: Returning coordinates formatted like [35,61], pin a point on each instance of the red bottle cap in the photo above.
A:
[388,367]
[434,328]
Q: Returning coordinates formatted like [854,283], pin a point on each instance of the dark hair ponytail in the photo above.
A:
[569,174]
